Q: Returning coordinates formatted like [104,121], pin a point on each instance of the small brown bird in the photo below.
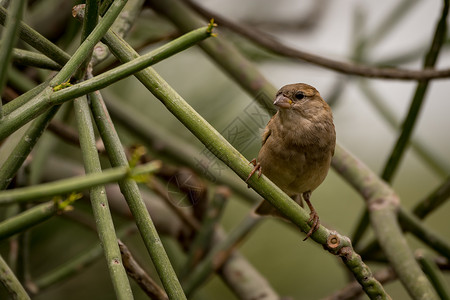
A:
[297,146]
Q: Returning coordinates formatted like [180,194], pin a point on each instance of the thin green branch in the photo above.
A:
[419,95]
[408,125]
[413,224]
[178,150]
[24,98]
[9,37]
[24,146]
[33,134]
[99,202]
[83,52]
[105,6]
[75,265]
[419,147]
[15,289]
[431,269]
[33,59]
[433,201]
[223,150]
[121,27]
[27,219]
[382,204]
[89,26]
[203,239]
[219,254]
[77,183]
[91,34]
[48,98]
[133,197]
[361,227]
[37,41]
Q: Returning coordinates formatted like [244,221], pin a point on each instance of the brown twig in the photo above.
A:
[272,44]
[135,271]
[309,21]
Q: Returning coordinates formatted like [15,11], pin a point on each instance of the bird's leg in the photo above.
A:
[256,168]
[298,199]
[313,216]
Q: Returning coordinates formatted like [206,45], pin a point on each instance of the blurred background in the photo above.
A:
[333,29]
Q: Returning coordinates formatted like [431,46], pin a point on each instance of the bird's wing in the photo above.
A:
[267,131]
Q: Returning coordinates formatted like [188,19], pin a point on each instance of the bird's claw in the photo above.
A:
[314,218]
[256,168]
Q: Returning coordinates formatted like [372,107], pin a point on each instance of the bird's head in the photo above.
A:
[301,99]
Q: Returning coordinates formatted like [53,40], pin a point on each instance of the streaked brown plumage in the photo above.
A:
[297,146]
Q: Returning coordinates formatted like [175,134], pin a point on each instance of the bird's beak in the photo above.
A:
[282,101]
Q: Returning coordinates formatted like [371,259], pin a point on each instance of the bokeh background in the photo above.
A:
[302,270]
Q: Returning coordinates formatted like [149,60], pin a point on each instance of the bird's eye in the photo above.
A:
[299,96]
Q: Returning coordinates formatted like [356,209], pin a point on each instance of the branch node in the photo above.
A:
[333,241]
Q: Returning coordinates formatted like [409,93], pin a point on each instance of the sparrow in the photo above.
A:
[297,146]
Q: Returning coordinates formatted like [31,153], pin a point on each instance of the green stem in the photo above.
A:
[222,52]
[85,49]
[360,230]
[33,133]
[203,239]
[99,202]
[15,289]
[135,202]
[89,26]
[413,224]
[91,34]
[37,41]
[170,146]
[218,145]
[433,201]
[78,183]
[24,98]
[23,148]
[27,219]
[75,265]
[419,95]
[219,254]
[382,204]
[48,98]
[9,37]
[33,59]
[121,27]
[410,223]
[409,122]
[419,147]
[434,274]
